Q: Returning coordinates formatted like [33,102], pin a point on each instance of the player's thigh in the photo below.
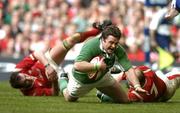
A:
[77,89]
[69,97]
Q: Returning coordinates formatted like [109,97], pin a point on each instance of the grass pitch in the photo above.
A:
[11,101]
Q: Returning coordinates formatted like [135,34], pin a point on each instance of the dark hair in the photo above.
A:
[14,80]
[111,30]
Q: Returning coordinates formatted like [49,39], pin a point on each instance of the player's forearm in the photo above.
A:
[132,78]
[55,88]
[84,66]
[40,56]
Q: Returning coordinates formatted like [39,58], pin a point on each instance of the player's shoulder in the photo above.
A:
[92,43]
[143,67]
[93,40]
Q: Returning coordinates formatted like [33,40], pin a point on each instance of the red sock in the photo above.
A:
[87,34]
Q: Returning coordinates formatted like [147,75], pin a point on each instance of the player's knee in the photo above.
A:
[69,98]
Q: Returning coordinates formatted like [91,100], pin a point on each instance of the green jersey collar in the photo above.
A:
[101,47]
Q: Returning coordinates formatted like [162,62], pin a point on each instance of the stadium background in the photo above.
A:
[28,25]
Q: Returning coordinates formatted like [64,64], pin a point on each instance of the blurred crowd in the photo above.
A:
[28,25]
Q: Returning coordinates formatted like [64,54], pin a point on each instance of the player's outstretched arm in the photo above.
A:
[50,71]
[132,78]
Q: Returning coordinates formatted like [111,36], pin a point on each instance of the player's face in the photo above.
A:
[110,44]
[26,80]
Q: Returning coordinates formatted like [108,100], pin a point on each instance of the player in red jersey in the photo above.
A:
[36,75]
[31,79]
[160,87]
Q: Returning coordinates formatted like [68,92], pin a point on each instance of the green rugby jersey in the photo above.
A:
[91,49]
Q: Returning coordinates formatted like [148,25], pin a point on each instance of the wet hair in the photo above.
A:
[15,80]
[111,30]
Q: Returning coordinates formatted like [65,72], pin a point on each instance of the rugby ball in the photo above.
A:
[95,75]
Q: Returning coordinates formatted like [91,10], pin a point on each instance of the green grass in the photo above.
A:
[11,101]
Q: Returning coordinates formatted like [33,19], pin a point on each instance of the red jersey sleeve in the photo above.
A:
[43,92]
[38,89]
[143,68]
[38,92]
[27,62]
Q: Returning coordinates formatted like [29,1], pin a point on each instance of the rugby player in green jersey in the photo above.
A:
[108,47]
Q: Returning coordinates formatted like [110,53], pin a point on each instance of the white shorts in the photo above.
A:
[171,85]
[77,89]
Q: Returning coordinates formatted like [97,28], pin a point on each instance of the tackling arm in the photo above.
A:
[132,78]
[50,71]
